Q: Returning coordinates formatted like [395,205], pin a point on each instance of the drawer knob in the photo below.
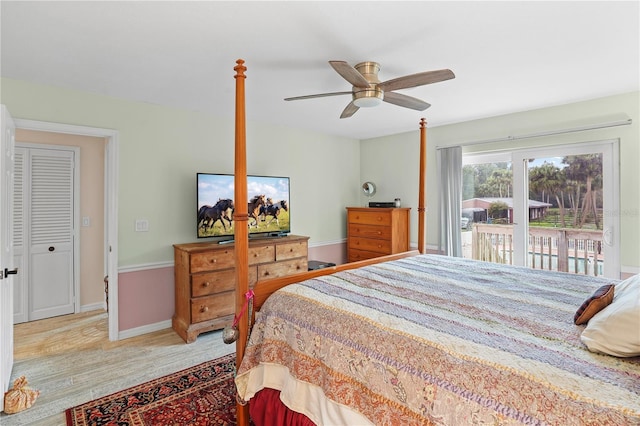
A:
[206,284]
[204,309]
[213,261]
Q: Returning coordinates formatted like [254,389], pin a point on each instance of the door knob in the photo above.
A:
[10,272]
[52,248]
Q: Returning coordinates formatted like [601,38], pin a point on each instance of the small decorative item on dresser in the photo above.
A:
[397,202]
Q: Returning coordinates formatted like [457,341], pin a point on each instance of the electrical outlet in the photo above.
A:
[86,221]
[142,225]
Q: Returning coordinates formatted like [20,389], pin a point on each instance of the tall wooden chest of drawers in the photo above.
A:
[205,279]
[374,232]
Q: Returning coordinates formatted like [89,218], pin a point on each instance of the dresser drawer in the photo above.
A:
[370,217]
[210,307]
[355,255]
[219,282]
[212,260]
[369,231]
[291,251]
[370,244]
[280,269]
[213,282]
[262,254]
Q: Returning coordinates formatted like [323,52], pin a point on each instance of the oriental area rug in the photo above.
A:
[200,395]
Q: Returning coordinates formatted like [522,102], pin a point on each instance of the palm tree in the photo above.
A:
[588,169]
[552,180]
[500,182]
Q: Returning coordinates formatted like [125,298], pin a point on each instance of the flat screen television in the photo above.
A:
[268,205]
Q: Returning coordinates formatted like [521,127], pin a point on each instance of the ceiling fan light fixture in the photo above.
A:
[368,98]
[367,102]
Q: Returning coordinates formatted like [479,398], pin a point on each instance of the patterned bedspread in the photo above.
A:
[438,340]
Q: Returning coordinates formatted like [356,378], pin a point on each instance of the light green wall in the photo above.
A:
[161,149]
[392,161]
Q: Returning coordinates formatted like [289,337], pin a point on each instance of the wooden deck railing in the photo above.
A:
[558,249]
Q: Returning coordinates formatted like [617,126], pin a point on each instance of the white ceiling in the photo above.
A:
[507,56]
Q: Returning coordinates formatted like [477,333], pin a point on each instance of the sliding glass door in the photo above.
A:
[545,208]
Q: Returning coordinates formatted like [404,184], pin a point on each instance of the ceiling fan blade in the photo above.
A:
[419,79]
[405,101]
[349,110]
[349,73]
[320,95]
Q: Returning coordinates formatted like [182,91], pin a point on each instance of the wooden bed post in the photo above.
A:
[241,230]
[422,236]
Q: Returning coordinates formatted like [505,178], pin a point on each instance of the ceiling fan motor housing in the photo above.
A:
[372,95]
[369,71]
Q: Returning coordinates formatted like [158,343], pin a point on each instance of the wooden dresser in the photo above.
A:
[373,232]
[205,279]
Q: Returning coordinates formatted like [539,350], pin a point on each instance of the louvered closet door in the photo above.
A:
[20,291]
[51,233]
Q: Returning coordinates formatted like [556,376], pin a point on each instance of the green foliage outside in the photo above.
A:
[574,189]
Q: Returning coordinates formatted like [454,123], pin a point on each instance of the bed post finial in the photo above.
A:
[422,236]
[240,68]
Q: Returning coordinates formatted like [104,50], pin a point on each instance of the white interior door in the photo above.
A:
[7,268]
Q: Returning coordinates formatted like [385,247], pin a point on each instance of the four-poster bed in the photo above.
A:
[420,339]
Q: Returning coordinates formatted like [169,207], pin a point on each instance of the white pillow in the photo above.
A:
[615,330]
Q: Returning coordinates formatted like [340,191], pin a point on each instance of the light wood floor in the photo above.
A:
[70,360]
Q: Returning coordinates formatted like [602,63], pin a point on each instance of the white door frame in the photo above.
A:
[111,202]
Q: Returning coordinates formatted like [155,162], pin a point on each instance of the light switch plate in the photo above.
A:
[142,225]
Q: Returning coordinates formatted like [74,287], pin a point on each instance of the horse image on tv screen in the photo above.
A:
[268,205]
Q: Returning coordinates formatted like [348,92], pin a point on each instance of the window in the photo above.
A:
[546,208]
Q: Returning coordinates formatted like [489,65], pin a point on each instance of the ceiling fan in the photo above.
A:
[369,91]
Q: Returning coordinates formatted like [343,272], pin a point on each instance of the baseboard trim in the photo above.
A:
[139,331]
[94,307]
